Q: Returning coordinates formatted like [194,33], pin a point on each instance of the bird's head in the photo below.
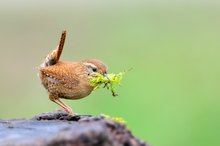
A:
[96,67]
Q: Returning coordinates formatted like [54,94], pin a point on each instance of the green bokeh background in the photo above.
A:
[170,98]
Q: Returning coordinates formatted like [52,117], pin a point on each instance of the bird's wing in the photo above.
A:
[62,80]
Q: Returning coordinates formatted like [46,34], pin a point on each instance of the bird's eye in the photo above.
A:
[94,69]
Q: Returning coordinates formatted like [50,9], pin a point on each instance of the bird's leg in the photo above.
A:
[61,103]
[66,106]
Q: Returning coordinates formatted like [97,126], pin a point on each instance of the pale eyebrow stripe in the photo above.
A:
[91,65]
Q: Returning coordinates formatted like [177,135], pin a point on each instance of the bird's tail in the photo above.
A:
[54,56]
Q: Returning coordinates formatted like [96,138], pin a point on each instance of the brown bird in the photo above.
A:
[68,80]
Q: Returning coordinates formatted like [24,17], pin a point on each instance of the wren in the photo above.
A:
[68,80]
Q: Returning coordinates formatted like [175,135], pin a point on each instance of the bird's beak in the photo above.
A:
[105,75]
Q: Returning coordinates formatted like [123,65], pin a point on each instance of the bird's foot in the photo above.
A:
[69,111]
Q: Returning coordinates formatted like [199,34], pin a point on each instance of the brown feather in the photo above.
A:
[67,79]
[60,46]
[99,64]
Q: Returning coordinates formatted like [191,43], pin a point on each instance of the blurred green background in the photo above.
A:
[170,98]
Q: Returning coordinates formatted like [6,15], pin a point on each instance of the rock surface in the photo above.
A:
[61,129]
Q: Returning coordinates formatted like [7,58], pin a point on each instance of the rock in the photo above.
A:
[62,129]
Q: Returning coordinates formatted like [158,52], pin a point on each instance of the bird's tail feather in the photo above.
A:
[54,56]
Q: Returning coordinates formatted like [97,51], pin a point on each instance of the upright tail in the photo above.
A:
[54,56]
